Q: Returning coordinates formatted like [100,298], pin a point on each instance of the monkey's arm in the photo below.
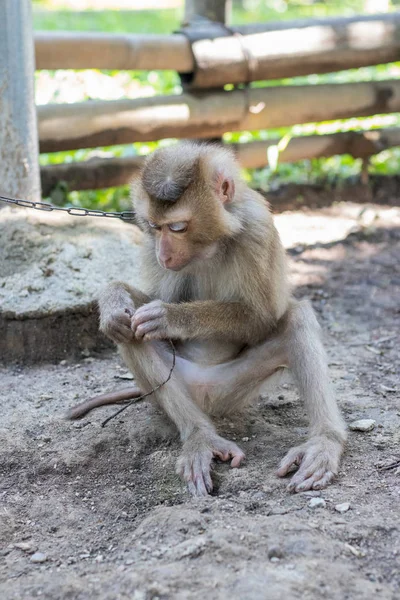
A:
[318,458]
[233,321]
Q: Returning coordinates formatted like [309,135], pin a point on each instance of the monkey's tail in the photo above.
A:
[121,396]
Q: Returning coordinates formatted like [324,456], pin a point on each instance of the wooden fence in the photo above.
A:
[208,55]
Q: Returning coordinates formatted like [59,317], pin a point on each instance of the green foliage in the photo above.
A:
[111,21]
[112,84]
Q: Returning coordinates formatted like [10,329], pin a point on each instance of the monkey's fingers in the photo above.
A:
[121,334]
[150,327]
[153,310]
[118,328]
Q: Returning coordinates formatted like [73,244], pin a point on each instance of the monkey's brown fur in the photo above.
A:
[215,282]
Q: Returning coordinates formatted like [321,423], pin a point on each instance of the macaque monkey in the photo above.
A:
[215,283]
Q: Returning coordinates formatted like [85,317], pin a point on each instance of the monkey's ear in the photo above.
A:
[225,187]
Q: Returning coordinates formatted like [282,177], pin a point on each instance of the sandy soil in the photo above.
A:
[92,513]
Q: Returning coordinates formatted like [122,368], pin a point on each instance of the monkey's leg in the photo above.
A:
[151,363]
[318,459]
[235,383]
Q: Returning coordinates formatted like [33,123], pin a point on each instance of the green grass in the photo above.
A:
[111,21]
[166,21]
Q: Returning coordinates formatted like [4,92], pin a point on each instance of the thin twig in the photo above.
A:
[389,466]
[134,400]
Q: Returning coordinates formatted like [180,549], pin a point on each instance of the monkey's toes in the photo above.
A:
[196,471]
[317,461]
[234,452]
[317,481]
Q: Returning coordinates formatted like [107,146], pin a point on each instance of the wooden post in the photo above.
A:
[19,147]
[214,10]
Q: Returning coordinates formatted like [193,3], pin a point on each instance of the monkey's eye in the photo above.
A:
[153,225]
[180,227]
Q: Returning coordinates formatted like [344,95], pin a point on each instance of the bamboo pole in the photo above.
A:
[261,52]
[110,172]
[19,156]
[93,174]
[86,50]
[102,123]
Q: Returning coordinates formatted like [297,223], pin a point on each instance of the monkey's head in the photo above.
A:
[185,202]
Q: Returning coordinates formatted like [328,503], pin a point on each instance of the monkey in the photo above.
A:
[215,282]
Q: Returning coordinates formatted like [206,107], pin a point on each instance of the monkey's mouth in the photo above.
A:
[175,268]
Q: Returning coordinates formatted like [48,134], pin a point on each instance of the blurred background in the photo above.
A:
[164,17]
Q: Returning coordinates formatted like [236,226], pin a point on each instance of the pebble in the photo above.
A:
[259,496]
[363,425]
[317,503]
[126,375]
[275,552]
[38,557]
[25,547]
[342,508]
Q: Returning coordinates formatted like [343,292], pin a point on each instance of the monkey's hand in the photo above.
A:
[194,464]
[317,461]
[116,325]
[150,322]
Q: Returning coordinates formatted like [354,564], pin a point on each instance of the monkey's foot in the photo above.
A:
[317,463]
[195,463]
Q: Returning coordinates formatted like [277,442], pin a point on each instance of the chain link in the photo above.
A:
[74,211]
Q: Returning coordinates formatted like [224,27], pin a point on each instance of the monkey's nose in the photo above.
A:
[167,262]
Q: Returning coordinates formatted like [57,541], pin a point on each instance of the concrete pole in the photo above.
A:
[215,10]
[19,147]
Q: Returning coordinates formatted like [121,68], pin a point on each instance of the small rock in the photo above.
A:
[25,547]
[259,496]
[385,388]
[126,375]
[342,508]
[38,557]
[317,503]
[363,425]
[275,552]
[245,439]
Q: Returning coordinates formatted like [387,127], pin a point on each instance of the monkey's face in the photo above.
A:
[183,199]
[177,245]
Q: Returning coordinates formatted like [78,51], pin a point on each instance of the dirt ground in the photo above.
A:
[90,513]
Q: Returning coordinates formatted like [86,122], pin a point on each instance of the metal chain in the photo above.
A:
[74,211]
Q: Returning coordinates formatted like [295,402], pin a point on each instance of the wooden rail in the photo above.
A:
[109,172]
[260,52]
[103,123]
